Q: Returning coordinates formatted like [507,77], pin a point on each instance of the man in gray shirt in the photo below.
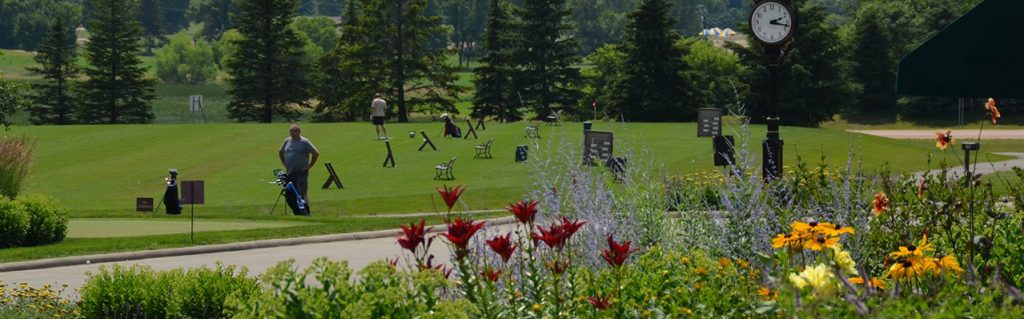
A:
[295,156]
[377,110]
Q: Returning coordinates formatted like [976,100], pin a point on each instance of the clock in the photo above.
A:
[773,22]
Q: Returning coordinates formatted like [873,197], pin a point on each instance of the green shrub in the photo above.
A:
[140,292]
[48,220]
[15,159]
[13,223]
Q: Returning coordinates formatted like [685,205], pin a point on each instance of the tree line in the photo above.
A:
[528,61]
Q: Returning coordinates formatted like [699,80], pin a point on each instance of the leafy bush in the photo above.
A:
[183,60]
[15,159]
[139,292]
[48,220]
[25,302]
[13,223]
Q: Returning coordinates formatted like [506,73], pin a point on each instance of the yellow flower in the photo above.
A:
[685,260]
[835,230]
[821,242]
[917,251]
[767,294]
[875,282]
[843,260]
[724,262]
[742,263]
[536,307]
[787,240]
[700,271]
[907,269]
[819,278]
[948,263]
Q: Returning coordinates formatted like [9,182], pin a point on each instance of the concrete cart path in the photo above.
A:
[971,134]
[358,253]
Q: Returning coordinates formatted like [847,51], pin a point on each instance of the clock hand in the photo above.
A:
[776,22]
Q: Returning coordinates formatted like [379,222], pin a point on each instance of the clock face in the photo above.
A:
[771,22]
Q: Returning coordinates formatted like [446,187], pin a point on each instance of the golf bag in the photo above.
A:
[292,197]
[171,199]
[450,129]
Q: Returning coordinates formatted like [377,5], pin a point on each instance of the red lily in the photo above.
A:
[616,254]
[524,211]
[601,303]
[450,195]
[920,188]
[570,227]
[491,274]
[503,246]
[459,233]
[414,235]
[554,236]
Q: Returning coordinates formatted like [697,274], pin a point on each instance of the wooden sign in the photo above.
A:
[144,204]
[709,122]
[597,147]
[192,192]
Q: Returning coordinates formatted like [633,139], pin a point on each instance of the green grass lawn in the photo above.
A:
[130,227]
[98,171]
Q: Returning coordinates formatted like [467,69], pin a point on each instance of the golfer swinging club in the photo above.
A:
[294,155]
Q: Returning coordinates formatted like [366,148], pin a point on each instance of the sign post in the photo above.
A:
[195,105]
[192,194]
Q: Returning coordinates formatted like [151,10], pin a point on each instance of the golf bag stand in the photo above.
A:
[292,197]
[171,200]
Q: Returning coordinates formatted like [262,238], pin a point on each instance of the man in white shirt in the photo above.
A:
[377,110]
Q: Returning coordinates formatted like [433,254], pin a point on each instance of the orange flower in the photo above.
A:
[787,240]
[821,242]
[942,141]
[875,282]
[880,205]
[835,230]
[993,112]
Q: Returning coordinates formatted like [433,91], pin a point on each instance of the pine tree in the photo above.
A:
[813,79]
[545,57]
[418,66]
[57,57]
[152,20]
[347,79]
[216,16]
[117,90]
[267,73]
[652,87]
[875,66]
[493,82]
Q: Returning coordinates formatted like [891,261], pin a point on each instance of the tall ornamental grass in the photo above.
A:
[15,159]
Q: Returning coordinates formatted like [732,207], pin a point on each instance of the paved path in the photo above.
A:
[987,168]
[958,134]
[359,253]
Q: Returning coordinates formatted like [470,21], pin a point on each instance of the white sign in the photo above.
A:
[195,103]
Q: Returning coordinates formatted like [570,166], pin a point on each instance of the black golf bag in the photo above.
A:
[292,197]
[450,129]
[171,199]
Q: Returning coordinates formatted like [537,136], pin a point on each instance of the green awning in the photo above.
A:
[979,55]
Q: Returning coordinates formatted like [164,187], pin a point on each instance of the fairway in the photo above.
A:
[113,227]
[99,170]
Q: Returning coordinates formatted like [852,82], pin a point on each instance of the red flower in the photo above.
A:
[993,112]
[553,236]
[616,254]
[459,233]
[503,246]
[570,227]
[491,274]
[440,267]
[524,211]
[601,303]
[414,235]
[942,141]
[450,195]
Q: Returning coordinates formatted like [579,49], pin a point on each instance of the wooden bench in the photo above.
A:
[445,170]
[484,150]
[532,131]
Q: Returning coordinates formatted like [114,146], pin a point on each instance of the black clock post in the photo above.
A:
[773,24]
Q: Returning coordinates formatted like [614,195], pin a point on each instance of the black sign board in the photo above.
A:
[192,192]
[597,147]
[724,150]
[144,204]
[709,122]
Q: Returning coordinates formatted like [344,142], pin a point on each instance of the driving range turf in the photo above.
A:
[97,171]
